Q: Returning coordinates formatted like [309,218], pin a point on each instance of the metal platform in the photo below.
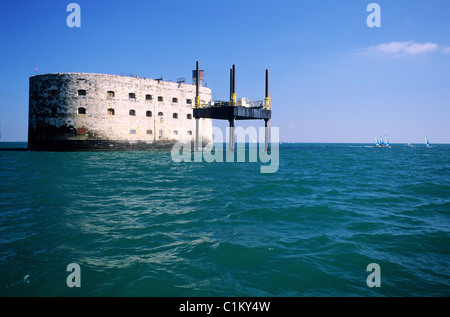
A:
[232,112]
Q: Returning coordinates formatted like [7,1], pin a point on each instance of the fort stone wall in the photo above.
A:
[99,111]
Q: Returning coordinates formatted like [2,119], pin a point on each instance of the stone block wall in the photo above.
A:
[80,110]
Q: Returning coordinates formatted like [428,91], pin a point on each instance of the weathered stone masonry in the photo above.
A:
[69,111]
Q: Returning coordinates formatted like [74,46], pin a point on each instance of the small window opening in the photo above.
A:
[81,131]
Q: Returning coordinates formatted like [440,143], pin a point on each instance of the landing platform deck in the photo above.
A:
[232,112]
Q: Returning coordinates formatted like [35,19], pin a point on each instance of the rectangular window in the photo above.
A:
[160,98]
[149,132]
[132,131]
[110,94]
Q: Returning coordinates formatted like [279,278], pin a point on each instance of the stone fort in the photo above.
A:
[81,111]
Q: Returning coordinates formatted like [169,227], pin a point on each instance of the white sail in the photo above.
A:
[427,144]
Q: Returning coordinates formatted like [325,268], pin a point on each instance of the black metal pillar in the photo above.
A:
[231,137]
[233,86]
[197,105]
[267,121]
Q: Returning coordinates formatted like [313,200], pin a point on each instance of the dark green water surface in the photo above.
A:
[139,224]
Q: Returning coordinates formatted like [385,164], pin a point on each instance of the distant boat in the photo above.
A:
[381,143]
[387,142]
[427,144]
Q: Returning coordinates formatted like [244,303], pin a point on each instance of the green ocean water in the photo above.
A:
[140,224]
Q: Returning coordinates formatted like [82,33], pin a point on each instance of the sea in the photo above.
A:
[334,220]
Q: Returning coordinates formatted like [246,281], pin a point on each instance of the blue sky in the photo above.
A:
[332,78]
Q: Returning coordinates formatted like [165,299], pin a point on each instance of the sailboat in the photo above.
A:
[427,144]
[381,143]
[387,142]
[376,142]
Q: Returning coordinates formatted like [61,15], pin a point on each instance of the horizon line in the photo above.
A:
[291,142]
